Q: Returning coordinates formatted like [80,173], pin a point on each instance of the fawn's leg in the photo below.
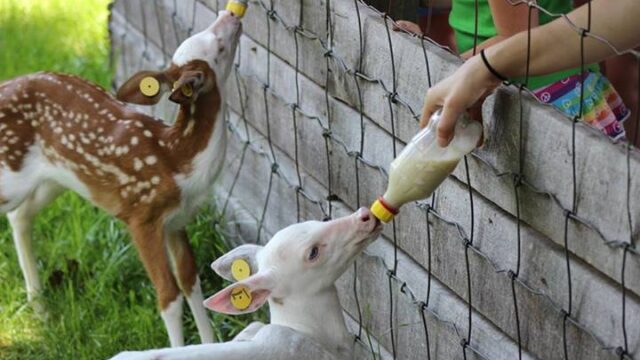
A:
[149,240]
[187,274]
[21,220]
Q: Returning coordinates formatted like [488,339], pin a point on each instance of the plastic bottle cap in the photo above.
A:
[240,297]
[240,269]
[149,86]
[237,8]
[382,211]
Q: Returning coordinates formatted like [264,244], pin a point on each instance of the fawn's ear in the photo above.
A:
[238,264]
[243,297]
[144,88]
[187,88]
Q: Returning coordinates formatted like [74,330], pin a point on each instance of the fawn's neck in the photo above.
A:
[193,128]
[320,317]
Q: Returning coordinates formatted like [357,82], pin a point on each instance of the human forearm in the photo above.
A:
[485,44]
[556,46]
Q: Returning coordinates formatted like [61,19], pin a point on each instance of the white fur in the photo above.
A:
[195,300]
[270,342]
[172,317]
[249,332]
[212,45]
[197,47]
[306,317]
[36,168]
[198,184]
[319,316]
[21,220]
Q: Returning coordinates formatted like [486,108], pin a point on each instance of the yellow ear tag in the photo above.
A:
[240,269]
[187,90]
[240,297]
[149,86]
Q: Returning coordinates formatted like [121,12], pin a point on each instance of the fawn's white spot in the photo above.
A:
[137,164]
[151,159]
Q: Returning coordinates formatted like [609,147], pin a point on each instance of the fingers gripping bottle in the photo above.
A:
[237,7]
[423,165]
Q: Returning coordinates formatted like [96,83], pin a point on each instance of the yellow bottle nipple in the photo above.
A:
[237,7]
[382,211]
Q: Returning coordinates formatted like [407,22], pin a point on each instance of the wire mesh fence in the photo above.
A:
[164,23]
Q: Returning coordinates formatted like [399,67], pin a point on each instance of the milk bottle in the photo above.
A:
[423,165]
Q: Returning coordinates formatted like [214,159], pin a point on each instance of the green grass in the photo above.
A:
[97,295]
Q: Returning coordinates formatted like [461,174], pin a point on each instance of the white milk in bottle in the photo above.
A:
[423,165]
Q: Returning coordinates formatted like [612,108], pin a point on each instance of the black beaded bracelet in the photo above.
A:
[491,69]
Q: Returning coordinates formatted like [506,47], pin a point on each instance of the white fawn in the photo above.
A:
[295,272]
[61,132]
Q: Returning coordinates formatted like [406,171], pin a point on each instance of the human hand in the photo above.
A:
[407,26]
[463,90]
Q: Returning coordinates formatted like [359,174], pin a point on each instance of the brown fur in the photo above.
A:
[126,159]
[184,260]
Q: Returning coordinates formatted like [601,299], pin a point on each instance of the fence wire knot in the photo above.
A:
[620,351]
[403,286]
[518,180]
[393,96]
[423,305]
[354,154]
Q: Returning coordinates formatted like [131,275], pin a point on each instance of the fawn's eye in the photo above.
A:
[313,253]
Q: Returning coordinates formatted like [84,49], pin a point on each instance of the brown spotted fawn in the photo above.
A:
[60,132]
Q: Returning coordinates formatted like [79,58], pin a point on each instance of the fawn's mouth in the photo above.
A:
[377,229]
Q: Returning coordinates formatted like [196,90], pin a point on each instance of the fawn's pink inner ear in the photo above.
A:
[259,298]
[221,301]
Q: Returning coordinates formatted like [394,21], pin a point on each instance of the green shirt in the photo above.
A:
[462,20]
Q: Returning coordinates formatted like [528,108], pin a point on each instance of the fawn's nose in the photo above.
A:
[364,215]
[225,19]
